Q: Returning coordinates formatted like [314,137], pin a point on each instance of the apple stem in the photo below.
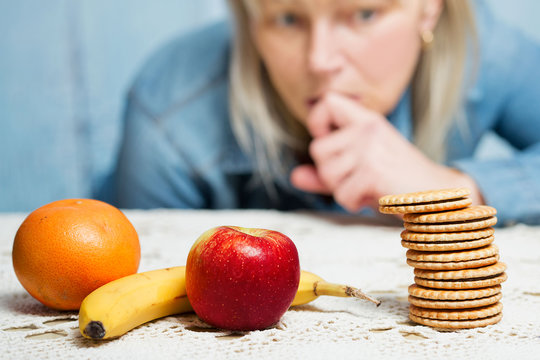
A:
[326,288]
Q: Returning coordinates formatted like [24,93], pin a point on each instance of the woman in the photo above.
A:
[329,105]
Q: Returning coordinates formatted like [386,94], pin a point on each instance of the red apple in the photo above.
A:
[241,278]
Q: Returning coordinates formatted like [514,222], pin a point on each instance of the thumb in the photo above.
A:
[305,178]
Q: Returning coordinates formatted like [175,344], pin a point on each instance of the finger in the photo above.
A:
[355,192]
[335,111]
[306,178]
[344,111]
[328,146]
[335,170]
[318,122]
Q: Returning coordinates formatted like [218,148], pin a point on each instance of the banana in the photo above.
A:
[121,305]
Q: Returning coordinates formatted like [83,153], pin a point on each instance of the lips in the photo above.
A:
[312,101]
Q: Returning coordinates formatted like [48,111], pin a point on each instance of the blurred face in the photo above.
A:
[366,50]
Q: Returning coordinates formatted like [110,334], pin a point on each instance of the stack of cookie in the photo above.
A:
[456,265]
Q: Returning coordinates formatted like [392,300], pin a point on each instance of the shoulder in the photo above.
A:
[182,92]
[184,68]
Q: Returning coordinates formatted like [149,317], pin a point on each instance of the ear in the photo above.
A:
[431,10]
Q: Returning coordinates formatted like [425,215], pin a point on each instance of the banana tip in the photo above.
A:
[94,330]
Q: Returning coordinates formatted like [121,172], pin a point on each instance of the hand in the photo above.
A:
[359,156]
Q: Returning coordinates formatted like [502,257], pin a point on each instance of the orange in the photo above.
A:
[68,248]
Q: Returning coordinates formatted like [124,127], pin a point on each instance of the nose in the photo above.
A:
[324,53]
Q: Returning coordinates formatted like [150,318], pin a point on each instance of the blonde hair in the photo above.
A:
[264,126]
[438,87]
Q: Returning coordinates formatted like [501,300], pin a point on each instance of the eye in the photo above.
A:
[364,15]
[286,19]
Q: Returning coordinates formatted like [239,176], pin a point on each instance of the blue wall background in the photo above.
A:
[65,67]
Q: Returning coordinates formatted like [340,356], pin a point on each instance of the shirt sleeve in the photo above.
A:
[512,185]
[152,172]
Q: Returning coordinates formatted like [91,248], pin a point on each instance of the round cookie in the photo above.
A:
[454,265]
[456,314]
[470,213]
[452,295]
[483,272]
[452,236]
[462,283]
[426,207]
[447,245]
[457,324]
[451,227]
[424,196]
[425,201]
[452,256]
[454,304]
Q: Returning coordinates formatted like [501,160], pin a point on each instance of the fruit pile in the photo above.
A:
[83,254]
[235,279]
[456,265]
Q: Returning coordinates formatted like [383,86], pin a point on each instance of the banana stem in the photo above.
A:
[325,288]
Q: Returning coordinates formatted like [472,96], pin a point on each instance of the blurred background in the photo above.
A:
[65,68]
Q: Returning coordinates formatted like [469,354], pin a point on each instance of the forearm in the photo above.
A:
[512,186]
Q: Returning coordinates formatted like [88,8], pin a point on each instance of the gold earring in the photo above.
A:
[427,39]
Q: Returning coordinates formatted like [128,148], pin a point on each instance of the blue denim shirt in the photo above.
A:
[179,150]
